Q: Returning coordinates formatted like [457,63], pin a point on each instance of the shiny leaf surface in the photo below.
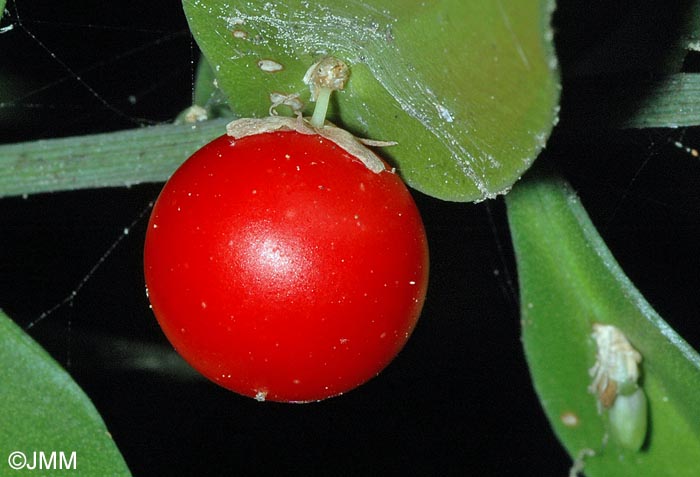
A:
[469,90]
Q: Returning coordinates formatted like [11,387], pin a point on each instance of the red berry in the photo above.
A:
[282,268]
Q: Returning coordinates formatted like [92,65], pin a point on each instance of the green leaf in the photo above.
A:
[207,94]
[468,89]
[44,410]
[568,281]
[670,102]
[204,84]
[115,159]
[208,100]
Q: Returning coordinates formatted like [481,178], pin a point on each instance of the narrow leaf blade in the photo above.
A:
[568,281]
[114,159]
[669,102]
[44,410]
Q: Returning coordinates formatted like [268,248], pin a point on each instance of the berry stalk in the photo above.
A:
[325,76]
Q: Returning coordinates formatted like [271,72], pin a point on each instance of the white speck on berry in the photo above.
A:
[260,396]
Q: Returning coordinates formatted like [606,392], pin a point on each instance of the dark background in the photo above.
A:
[458,399]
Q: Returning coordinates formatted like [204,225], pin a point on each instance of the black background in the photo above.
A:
[458,399]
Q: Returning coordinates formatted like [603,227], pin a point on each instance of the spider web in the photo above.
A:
[92,67]
[67,70]
[71,262]
[87,70]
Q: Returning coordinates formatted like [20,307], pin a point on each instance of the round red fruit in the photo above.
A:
[282,268]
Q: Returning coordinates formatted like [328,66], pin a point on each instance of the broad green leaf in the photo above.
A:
[44,410]
[468,89]
[568,281]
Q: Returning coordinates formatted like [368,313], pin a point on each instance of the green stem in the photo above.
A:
[115,159]
[319,116]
